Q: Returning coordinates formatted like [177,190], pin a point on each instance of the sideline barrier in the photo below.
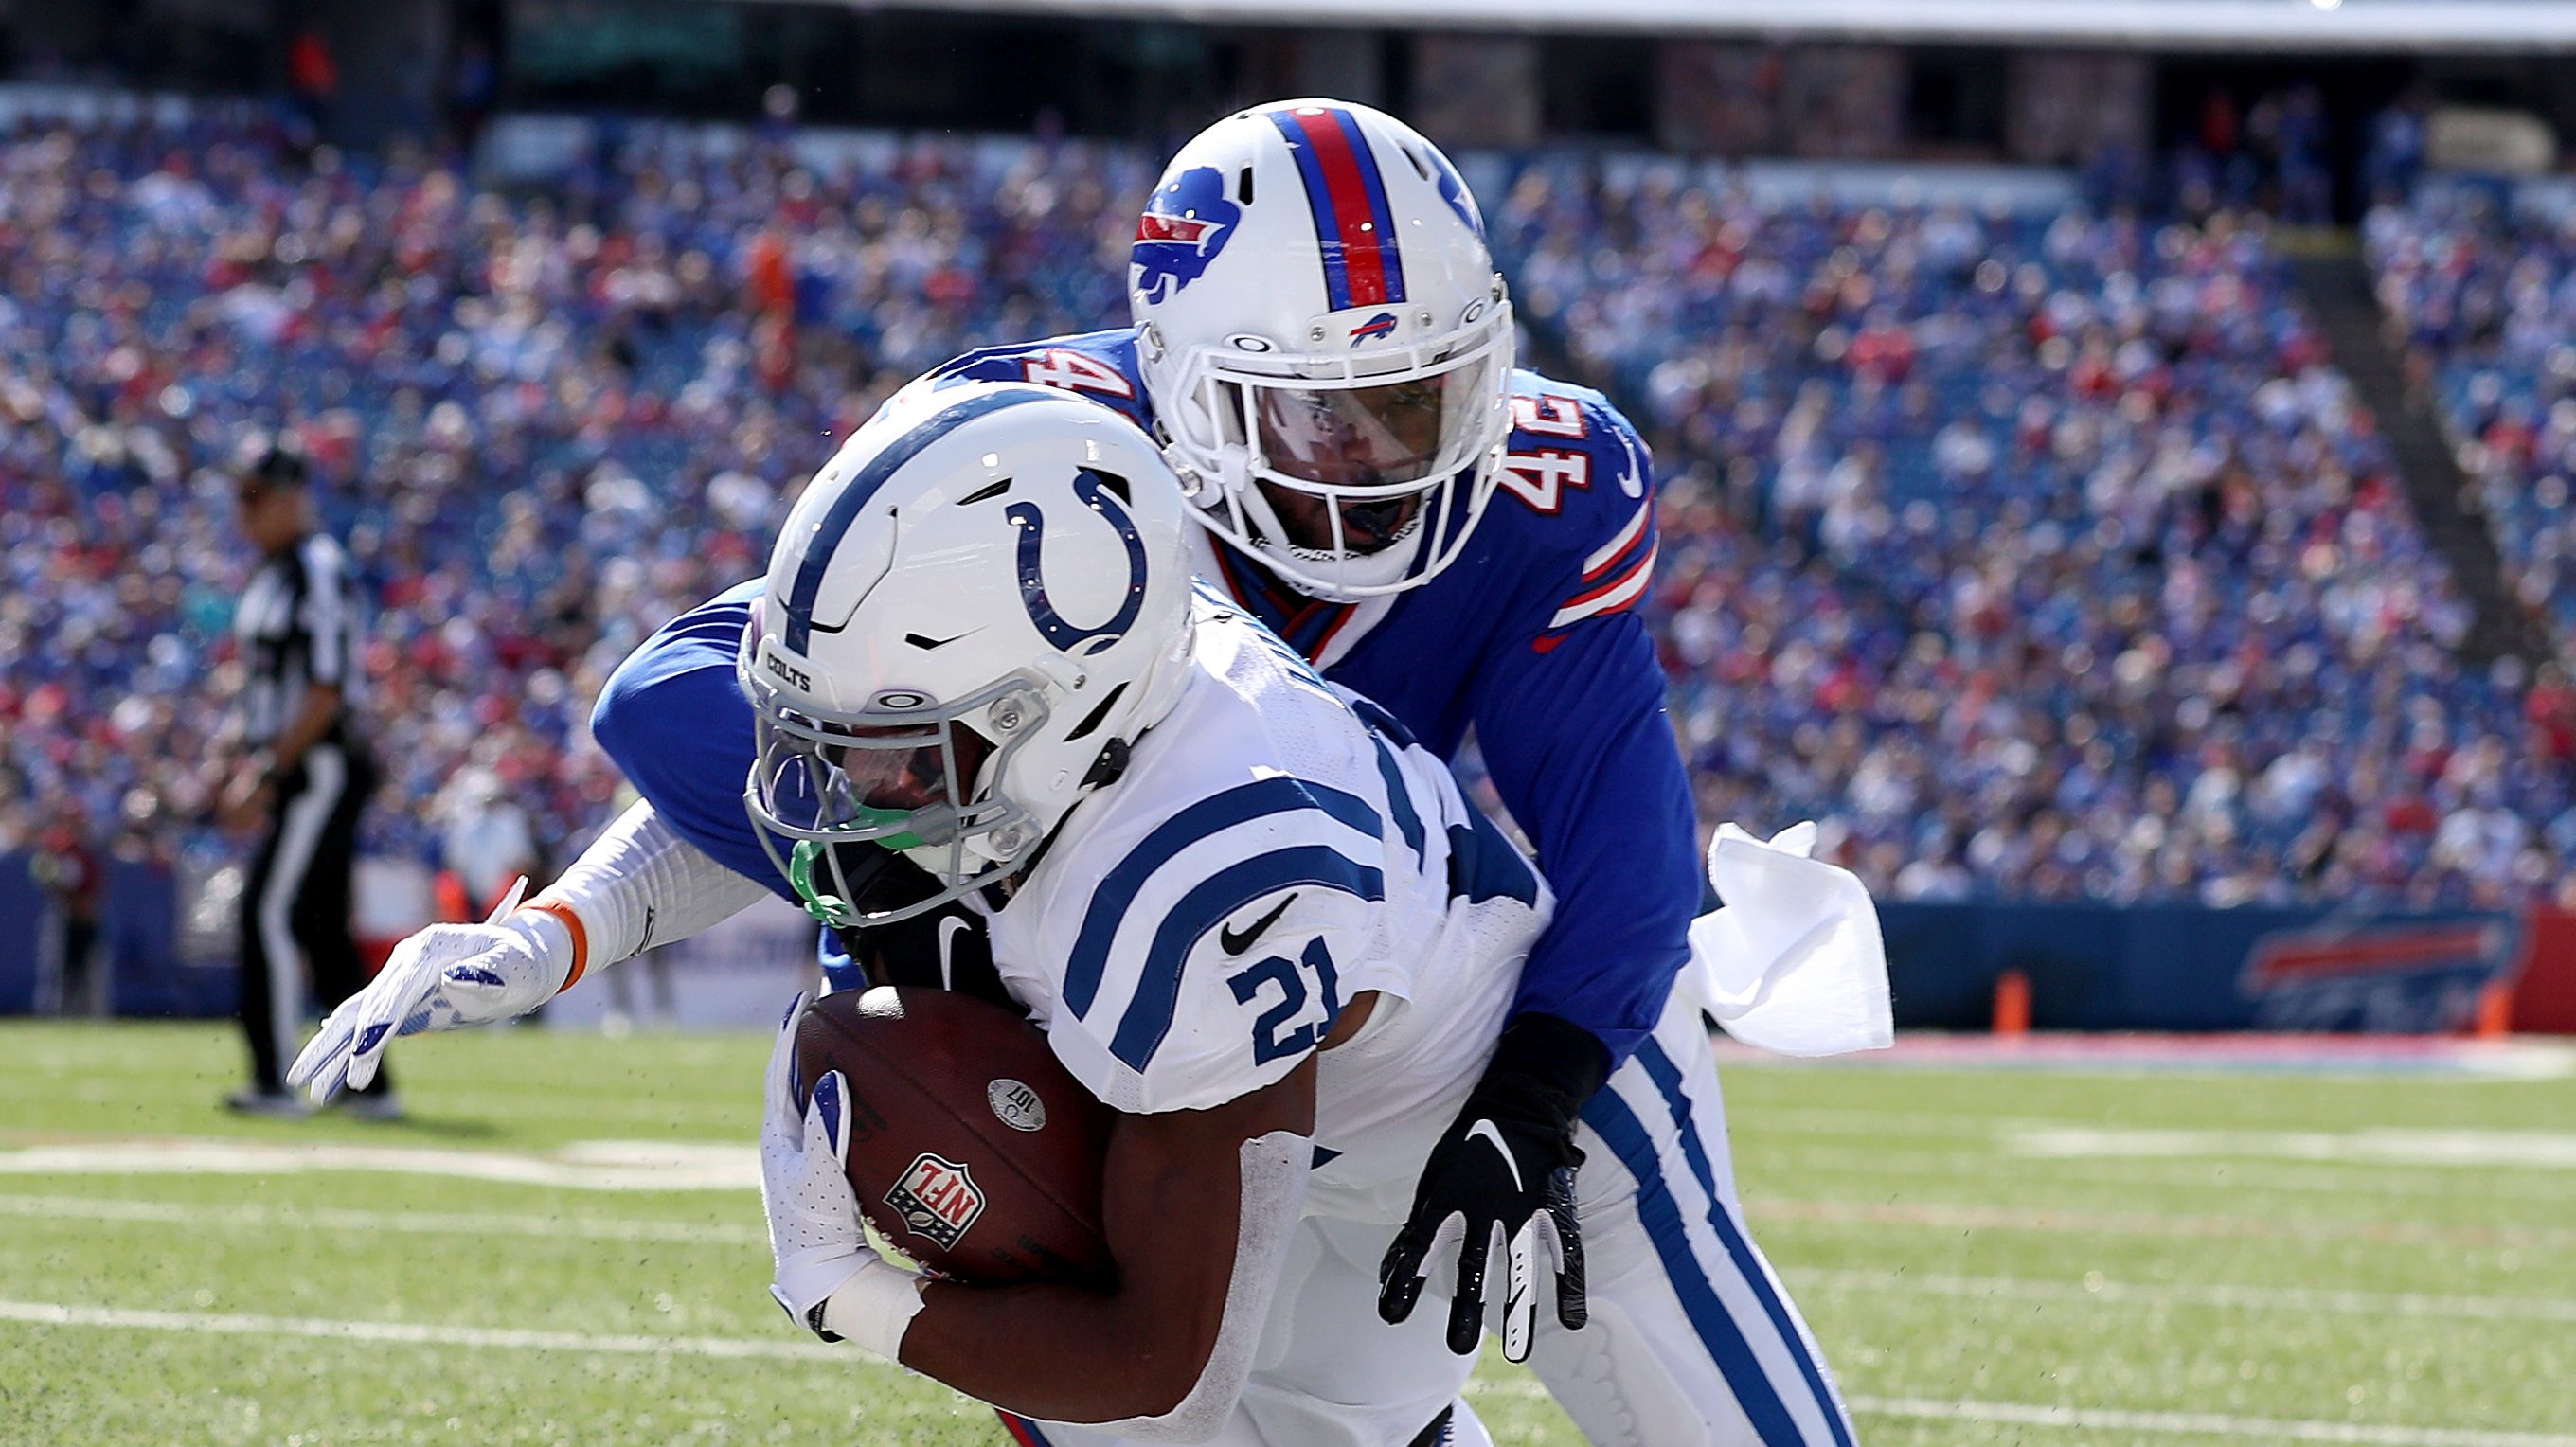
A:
[2086,966]
[2178,967]
[2544,994]
[138,944]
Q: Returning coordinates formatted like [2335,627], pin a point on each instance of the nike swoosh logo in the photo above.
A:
[1631,482]
[1234,943]
[949,929]
[1486,1129]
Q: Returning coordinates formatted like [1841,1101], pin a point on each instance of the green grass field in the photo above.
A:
[557,1249]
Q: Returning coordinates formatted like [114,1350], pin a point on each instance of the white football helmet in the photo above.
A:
[1326,342]
[970,615]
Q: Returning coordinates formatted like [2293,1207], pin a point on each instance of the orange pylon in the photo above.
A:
[2495,1011]
[2012,1003]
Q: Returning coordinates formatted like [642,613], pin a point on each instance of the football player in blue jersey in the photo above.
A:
[1324,350]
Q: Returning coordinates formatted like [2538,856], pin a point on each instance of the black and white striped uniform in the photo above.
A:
[299,623]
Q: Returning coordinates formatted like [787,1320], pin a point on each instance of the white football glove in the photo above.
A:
[446,977]
[829,1279]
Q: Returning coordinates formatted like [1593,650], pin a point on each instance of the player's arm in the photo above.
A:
[674,719]
[1197,1207]
[1569,710]
[1581,751]
[1098,365]
[639,884]
[1569,706]
[1210,1053]
[686,858]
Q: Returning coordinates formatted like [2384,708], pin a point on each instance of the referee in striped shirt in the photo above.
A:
[303,778]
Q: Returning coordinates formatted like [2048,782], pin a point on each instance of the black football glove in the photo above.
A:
[1505,1171]
[947,948]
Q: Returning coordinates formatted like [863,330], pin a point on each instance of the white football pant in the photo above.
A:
[1692,1342]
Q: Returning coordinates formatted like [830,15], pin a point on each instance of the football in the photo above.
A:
[972,1151]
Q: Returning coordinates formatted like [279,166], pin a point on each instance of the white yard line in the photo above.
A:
[2199,1424]
[45,1313]
[604,1165]
[420,1223]
[1890,1124]
[80,1209]
[2379,1147]
[2149,1293]
[1948,1216]
[2331,1178]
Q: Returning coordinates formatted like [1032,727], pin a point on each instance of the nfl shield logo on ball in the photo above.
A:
[1016,1104]
[937,1199]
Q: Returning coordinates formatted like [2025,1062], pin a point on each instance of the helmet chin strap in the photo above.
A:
[831,909]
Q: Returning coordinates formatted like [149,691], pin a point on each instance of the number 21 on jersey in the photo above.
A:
[1298,1016]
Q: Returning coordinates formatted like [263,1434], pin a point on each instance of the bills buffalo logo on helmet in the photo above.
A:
[1453,190]
[1376,328]
[1184,226]
[937,1199]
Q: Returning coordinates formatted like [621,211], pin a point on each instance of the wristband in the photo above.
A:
[1543,1068]
[573,927]
[871,1310]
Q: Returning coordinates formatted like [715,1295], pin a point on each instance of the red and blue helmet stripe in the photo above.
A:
[1354,227]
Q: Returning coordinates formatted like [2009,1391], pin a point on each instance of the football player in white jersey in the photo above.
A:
[1279,943]
[1247,914]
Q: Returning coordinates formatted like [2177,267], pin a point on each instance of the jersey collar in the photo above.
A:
[1322,632]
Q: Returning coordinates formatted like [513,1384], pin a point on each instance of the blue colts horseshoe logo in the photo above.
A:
[1078,641]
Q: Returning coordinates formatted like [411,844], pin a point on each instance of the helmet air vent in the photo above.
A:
[985,494]
[1091,721]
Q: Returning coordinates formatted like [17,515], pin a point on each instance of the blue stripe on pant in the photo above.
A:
[1615,1123]
[1668,1080]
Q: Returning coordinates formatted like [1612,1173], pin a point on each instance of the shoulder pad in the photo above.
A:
[1573,455]
[1576,500]
[1099,365]
[1205,964]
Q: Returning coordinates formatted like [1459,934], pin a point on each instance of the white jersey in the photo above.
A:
[1276,847]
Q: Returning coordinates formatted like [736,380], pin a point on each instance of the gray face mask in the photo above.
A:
[819,782]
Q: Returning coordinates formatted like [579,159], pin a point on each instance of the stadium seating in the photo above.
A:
[2482,295]
[544,424]
[2039,557]
[2109,591]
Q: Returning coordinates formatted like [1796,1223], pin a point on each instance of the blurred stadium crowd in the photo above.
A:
[2482,297]
[2037,557]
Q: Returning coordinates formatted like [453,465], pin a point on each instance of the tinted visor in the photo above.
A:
[895,776]
[870,785]
[1394,434]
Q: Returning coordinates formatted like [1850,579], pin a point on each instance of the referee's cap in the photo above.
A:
[269,460]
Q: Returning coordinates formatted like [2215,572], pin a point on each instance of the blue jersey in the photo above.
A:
[1529,639]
